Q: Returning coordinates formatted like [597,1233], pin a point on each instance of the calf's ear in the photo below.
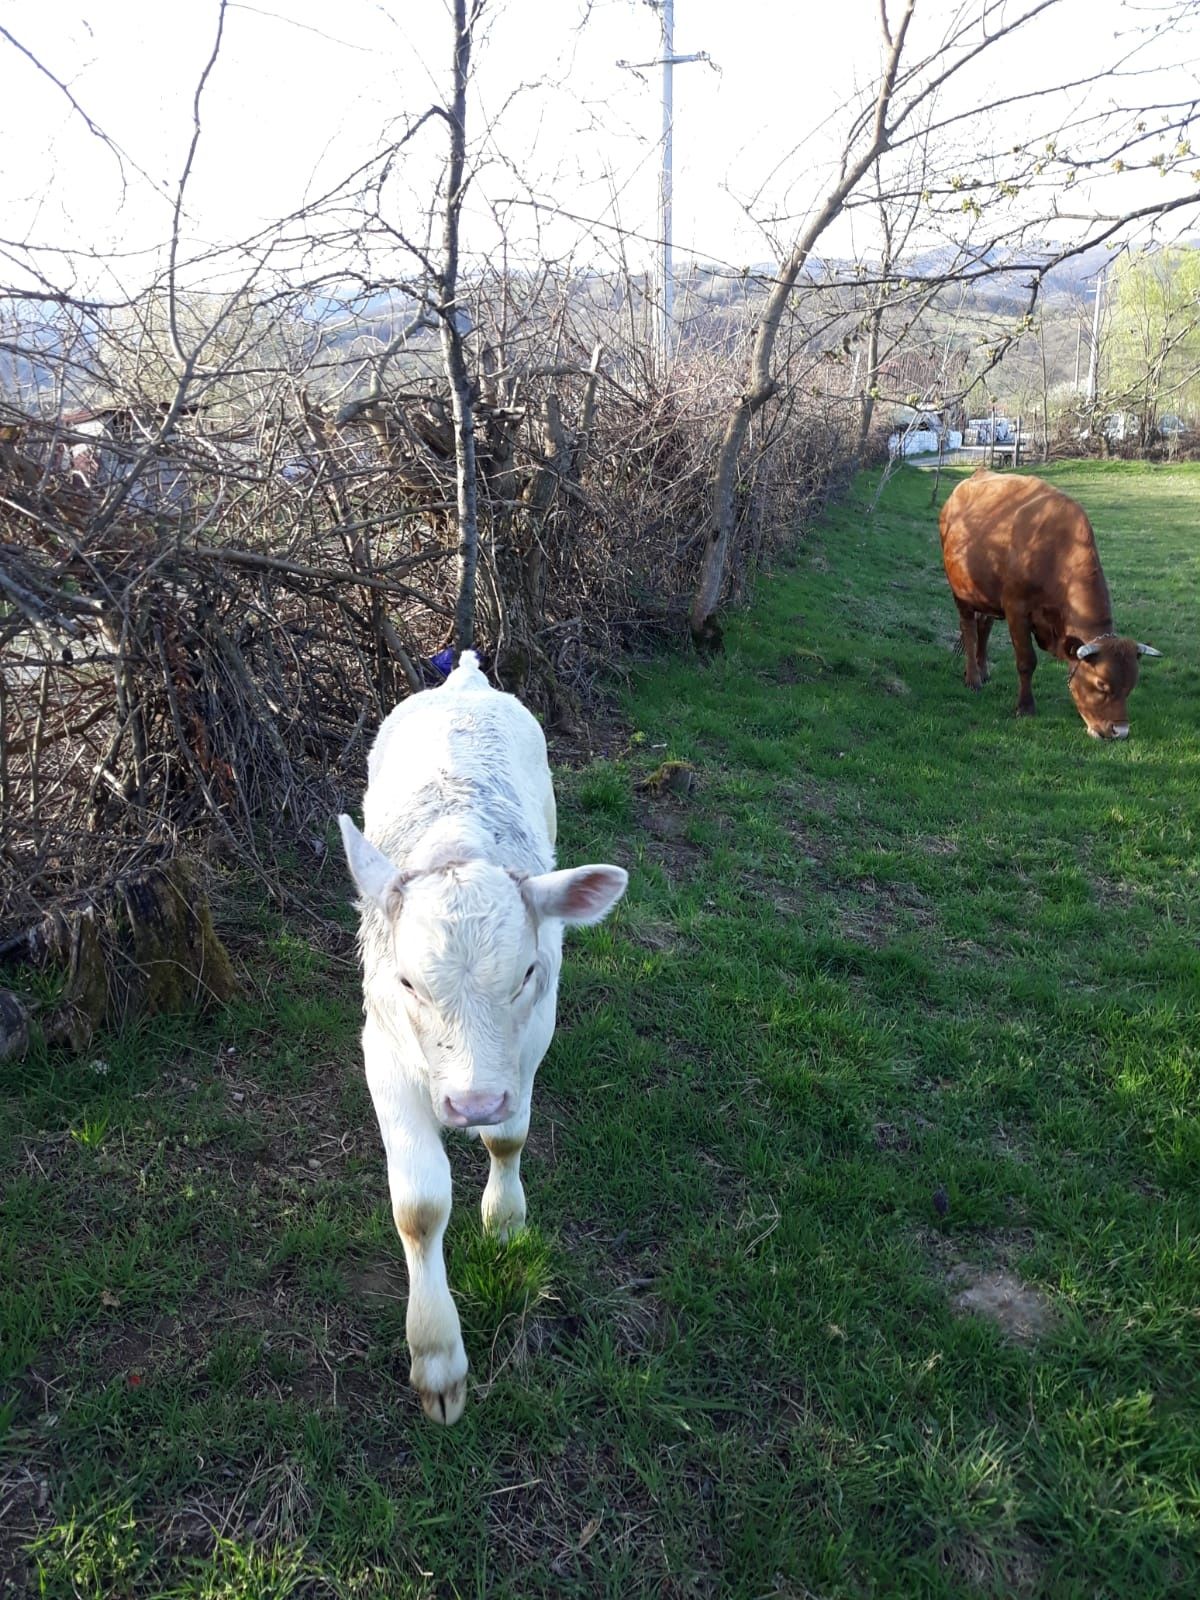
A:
[577,895]
[378,880]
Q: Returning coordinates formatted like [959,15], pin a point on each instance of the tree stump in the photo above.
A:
[146,946]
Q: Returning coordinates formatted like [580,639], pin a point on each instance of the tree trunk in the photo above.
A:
[453,351]
[866,410]
[870,388]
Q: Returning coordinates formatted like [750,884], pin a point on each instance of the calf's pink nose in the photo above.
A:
[470,1110]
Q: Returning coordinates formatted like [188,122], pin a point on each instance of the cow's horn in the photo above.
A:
[1086,651]
[1148,650]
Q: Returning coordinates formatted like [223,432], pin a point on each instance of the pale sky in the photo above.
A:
[304,92]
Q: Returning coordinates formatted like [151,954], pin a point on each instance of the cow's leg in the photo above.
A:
[1022,638]
[503,1197]
[969,624]
[419,1180]
[983,629]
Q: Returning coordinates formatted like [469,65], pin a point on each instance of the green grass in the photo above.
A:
[903,997]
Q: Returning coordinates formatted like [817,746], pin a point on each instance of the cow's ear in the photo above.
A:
[377,878]
[579,895]
[1074,647]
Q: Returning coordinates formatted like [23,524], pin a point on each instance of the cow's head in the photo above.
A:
[1102,677]
[470,963]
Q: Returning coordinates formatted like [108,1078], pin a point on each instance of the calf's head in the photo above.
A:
[1103,675]
[469,964]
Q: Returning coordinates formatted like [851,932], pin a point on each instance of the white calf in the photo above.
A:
[462,922]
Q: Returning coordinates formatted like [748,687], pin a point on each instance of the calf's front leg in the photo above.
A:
[419,1181]
[503,1197]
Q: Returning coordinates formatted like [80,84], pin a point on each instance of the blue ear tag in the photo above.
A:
[443,662]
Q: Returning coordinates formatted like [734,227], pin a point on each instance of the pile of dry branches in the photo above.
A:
[212,663]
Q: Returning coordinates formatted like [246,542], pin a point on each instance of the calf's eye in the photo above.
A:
[404,984]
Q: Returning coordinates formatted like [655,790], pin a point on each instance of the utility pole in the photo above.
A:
[1093,378]
[668,61]
[666,275]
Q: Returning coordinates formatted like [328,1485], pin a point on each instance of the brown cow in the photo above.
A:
[1017,548]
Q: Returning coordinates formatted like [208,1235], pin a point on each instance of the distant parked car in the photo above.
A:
[1172,427]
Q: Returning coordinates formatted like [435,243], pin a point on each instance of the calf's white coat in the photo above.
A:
[461,937]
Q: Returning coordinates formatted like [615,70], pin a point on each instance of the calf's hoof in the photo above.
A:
[440,1380]
[504,1217]
[444,1405]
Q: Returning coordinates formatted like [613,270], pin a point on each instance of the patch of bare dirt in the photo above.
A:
[378,1281]
[667,844]
[667,822]
[1021,1312]
[989,1285]
[603,739]
[131,1348]
[23,1498]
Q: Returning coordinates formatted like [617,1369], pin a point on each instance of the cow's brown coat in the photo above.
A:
[1017,548]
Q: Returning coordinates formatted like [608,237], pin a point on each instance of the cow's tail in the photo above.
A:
[467,674]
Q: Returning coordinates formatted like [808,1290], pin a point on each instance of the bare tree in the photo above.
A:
[761,385]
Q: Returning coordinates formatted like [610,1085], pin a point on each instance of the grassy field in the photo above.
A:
[865,1176]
